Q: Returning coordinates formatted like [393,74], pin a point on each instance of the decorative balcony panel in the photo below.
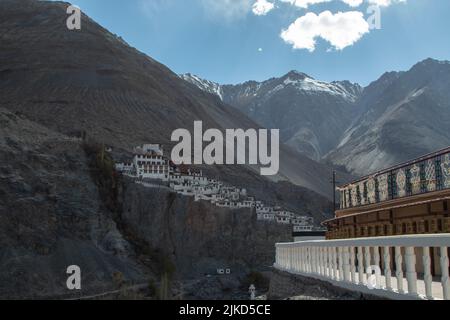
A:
[427,174]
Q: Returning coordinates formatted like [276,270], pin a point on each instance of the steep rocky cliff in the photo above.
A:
[92,81]
[56,211]
[52,216]
[60,206]
[198,236]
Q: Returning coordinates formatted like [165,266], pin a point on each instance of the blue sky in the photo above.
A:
[225,41]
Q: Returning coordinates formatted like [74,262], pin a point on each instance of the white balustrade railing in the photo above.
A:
[352,261]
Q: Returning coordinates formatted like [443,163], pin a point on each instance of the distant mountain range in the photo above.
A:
[311,114]
[404,115]
[113,92]
[400,116]
[60,205]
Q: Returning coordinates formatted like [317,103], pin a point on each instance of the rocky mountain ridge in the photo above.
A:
[400,116]
[66,94]
[57,210]
[311,114]
[404,115]
[91,81]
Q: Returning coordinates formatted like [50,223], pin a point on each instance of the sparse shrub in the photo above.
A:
[103,172]
[118,279]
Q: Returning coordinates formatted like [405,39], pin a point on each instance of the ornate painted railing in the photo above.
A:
[351,263]
[423,175]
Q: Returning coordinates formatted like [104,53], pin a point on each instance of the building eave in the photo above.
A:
[427,198]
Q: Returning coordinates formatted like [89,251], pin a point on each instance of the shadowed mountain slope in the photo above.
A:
[406,115]
[92,81]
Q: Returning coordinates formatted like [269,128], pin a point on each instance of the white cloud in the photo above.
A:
[341,30]
[352,3]
[304,3]
[227,10]
[384,3]
[262,7]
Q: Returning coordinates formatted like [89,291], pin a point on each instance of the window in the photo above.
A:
[377,191]
[350,204]
[408,182]
[439,184]
[358,195]
[365,192]
[392,186]
[344,201]
[423,178]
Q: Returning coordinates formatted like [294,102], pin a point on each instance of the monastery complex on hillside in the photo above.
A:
[150,164]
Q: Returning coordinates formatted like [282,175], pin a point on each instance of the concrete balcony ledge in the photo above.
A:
[417,240]
[387,267]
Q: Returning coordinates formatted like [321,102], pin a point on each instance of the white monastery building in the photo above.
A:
[149,163]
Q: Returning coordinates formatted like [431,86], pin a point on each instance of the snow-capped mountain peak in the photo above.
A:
[296,79]
[296,103]
[205,85]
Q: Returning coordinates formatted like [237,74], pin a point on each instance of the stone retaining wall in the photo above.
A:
[284,285]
